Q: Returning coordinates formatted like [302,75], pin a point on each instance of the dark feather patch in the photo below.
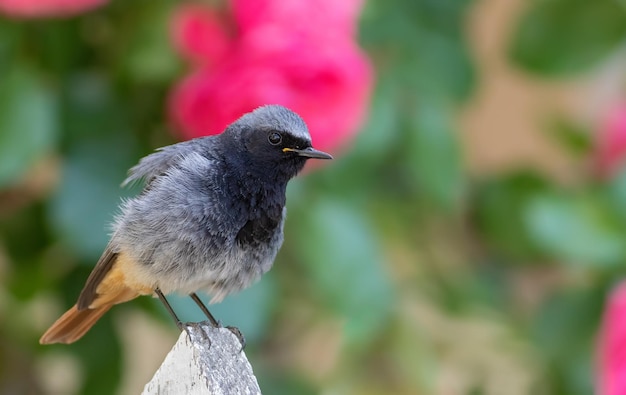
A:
[257,231]
[104,265]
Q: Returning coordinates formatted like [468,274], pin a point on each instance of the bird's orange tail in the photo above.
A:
[73,325]
[76,321]
[107,285]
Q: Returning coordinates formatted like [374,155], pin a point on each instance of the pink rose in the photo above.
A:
[323,77]
[611,142]
[47,8]
[330,16]
[611,363]
[327,85]
[199,34]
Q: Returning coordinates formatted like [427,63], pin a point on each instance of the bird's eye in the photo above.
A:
[275,138]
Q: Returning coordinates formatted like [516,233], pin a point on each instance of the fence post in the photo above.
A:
[204,360]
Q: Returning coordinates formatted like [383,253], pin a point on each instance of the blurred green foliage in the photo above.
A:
[400,271]
[557,37]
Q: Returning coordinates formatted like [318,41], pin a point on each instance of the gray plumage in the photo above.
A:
[211,215]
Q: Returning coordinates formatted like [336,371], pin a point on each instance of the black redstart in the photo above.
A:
[210,218]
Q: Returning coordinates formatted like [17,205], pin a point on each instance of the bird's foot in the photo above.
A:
[217,324]
[237,332]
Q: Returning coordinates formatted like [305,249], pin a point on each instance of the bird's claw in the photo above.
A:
[237,332]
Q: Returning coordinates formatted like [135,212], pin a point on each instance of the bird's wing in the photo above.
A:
[162,159]
[102,268]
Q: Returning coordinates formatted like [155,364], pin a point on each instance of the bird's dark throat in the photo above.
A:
[262,202]
[264,213]
[258,231]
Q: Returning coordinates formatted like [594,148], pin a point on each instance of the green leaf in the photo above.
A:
[574,138]
[344,260]
[9,38]
[86,200]
[148,55]
[426,43]
[568,36]
[434,158]
[575,229]
[58,45]
[499,213]
[378,135]
[100,150]
[281,382]
[563,330]
[28,122]
[25,239]
[616,191]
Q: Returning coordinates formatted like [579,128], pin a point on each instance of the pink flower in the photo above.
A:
[328,16]
[47,8]
[278,58]
[611,364]
[610,152]
[199,35]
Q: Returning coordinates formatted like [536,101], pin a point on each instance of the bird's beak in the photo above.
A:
[309,153]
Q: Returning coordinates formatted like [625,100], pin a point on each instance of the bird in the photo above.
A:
[209,218]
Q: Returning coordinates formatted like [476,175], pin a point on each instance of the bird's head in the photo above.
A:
[272,140]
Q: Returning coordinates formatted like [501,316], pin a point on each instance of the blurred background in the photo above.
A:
[464,240]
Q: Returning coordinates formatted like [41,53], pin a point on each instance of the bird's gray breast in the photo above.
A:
[190,230]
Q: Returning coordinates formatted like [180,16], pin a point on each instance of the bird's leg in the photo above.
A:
[215,322]
[205,310]
[169,309]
